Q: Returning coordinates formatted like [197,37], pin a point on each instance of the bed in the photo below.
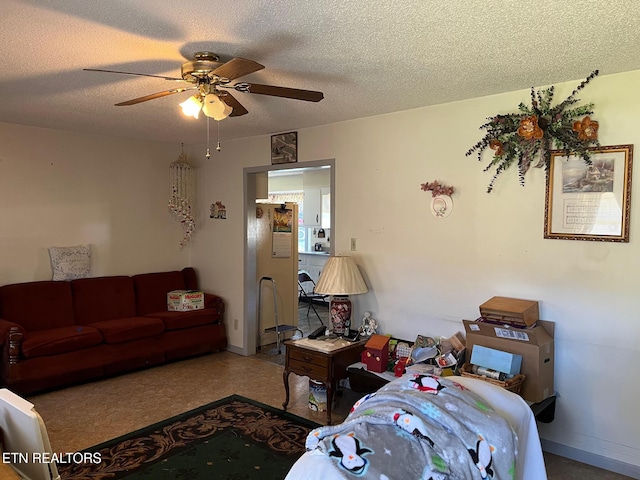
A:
[424,426]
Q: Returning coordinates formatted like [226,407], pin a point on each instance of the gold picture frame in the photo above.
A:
[284,148]
[589,202]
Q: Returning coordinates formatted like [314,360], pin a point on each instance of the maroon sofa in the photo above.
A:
[55,333]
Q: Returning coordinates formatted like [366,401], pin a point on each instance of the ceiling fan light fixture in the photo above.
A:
[191,106]
[206,74]
[215,108]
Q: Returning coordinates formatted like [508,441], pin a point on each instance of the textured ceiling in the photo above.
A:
[368,57]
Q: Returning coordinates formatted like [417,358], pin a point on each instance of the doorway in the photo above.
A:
[253,189]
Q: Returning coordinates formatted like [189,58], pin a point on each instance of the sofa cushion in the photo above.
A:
[191,318]
[38,305]
[59,340]
[103,298]
[121,330]
[152,288]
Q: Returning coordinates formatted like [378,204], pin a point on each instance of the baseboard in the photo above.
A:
[599,461]
[238,350]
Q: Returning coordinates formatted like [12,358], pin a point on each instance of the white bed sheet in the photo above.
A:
[529,463]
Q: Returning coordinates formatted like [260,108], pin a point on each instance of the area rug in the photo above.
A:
[233,438]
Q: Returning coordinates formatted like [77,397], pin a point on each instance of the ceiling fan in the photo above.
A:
[212,80]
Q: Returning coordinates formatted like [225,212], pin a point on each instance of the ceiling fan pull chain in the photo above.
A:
[218,147]
[208,155]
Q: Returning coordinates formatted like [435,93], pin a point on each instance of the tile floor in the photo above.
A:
[85,415]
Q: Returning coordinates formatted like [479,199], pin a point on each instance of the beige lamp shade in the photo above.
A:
[341,277]
[215,108]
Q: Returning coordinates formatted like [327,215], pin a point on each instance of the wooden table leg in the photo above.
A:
[285,378]
[330,388]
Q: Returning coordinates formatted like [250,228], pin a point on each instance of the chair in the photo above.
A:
[25,436]
[307,293]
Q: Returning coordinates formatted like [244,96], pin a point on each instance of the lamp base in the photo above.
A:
[340,309]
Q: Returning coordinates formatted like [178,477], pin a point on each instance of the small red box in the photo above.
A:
[400,366]
[376,353]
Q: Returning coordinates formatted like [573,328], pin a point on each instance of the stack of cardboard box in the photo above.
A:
[512,325]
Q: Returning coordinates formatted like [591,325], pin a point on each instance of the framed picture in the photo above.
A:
[284,148]
[589,202]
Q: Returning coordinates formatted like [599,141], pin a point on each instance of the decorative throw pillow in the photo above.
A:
[69,263]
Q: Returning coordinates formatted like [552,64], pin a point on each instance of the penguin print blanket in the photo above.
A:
[420,427]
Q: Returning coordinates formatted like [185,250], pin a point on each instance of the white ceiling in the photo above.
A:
[368,57]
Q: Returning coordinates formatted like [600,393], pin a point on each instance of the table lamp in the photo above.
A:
[339,279]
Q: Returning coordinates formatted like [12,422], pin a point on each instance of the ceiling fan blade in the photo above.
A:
[295,93]
[154,96]
[237,67]
[131,73]
[238,109]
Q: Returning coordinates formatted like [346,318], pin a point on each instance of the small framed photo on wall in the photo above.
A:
[284,148]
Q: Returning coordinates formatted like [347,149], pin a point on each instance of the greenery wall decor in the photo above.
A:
[536,130]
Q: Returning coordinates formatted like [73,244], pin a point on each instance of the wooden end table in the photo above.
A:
[327,367]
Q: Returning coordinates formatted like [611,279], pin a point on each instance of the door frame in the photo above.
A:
[250,175]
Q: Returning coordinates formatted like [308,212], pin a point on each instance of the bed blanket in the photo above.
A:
[420,427]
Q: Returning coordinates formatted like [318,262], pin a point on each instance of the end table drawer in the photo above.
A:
[306,356]
[315,372]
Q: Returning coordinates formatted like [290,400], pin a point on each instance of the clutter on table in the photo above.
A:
[425,355]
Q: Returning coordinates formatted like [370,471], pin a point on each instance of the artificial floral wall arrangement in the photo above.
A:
[536,130]
[436,188]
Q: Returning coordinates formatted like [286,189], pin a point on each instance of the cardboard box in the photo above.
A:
[511,311]
[499,360]
[458,341]
[534,344]
[184,300]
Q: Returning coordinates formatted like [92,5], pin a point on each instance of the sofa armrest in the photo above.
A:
[10,340]
[15,341]
[5,327]
[215,302]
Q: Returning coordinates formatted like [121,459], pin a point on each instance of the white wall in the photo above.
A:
[426,274]
[61,189]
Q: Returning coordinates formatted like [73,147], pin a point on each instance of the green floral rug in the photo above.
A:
[233,439]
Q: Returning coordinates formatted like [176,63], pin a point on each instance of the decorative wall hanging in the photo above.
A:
[441,202]
[281,232]
[436,189]
[218,210]
[536,130]
[441,206]
[183,196]
[284,148]
[589,201]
